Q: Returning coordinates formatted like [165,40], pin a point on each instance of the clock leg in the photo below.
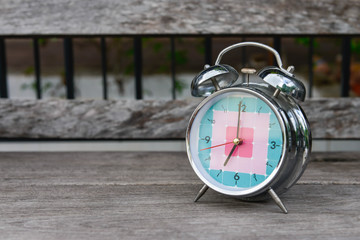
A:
[201,192]
[277,200]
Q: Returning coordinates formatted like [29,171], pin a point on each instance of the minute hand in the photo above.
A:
[238,123]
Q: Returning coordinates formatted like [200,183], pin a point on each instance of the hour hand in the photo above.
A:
[231,152]
[236,142]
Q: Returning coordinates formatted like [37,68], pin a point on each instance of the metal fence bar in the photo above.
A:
[345,66]
[173,67]
[208,50]
[104,67]
[69,67]
[37,67]
[138,66]
[311,66]
[3,74]
[277,44]
[138,55]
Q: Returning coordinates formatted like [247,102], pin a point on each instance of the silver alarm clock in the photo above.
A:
[250,140]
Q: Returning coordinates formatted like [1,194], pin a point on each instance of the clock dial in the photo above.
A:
[236,150]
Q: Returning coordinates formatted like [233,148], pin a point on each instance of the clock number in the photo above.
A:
[211,120]
[268,164]
[236,177]
[255,177]
[274,145]
[219,173]
[243,106]
[207,139]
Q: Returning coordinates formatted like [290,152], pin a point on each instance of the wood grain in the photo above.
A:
[167,212]
[332,118]
[144,168]
[24,17]
[149,196]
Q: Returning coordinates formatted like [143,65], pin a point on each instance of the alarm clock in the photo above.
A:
[251,140]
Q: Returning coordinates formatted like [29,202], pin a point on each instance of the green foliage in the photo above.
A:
[47,86]
[129,69]
[157,47]
[306,42]
[179,86]
[29,70]
[180,57]
[42,41]
[146,40]
[31,86]
[24,86]
[200,46]
[355,46]
[129,52]
[180,40]
[303,41]
[147,92]
[163,68]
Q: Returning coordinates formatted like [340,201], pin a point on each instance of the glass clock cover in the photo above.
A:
[212,135]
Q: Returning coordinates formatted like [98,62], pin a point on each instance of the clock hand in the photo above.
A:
[231,152]
[236,142]
[216,146]
[238,123]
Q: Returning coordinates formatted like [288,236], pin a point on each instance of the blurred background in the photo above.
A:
[158,67]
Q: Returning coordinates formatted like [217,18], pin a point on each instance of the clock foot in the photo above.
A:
[201,192]
[277,200]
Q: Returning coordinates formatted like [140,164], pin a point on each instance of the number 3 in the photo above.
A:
[273,145]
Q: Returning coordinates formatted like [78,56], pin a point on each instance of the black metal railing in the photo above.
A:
[138,60]
[3,70]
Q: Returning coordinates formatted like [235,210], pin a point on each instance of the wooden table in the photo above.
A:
[126,195]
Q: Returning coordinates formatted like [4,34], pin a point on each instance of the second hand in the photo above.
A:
[215,146]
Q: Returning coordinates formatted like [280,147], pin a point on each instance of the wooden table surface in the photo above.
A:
[127,195]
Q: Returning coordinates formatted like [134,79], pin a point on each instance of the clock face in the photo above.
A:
[235,141]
